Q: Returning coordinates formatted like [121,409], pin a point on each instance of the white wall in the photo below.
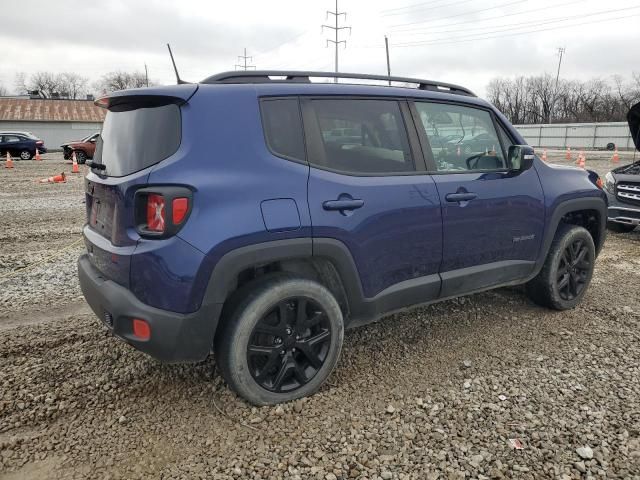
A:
[54,134]
[577,135]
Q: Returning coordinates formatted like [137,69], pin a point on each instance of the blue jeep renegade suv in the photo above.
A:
[259,214]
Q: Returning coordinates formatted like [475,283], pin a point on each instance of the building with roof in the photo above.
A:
[55,121]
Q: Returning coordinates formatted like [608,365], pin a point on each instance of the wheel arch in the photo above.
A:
[588,212]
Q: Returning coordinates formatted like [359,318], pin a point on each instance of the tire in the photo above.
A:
[253,336]
[25,155]
[620,227]
[551,290]
[611,146]
[81,157]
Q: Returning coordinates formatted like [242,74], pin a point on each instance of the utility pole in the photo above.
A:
[243,60]
[561,51]
[146,74]
[386,47]
[336,14]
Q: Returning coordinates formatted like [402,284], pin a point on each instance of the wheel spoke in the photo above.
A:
[300,374]
[581,254]
[314,319]
[564,282]
[310,355]
[573,284]
[266,370]
[283,373]
[319,338]
[301,314]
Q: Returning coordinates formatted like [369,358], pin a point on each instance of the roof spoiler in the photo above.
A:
[147,97]
[633,117]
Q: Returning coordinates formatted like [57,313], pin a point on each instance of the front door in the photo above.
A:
[369,191]
[493,217]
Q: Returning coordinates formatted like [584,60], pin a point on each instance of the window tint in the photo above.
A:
[11,139]
[461,138]
[135,139]
[283,127]
[362,136]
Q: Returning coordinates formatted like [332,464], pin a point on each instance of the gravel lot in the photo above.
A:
[440,392]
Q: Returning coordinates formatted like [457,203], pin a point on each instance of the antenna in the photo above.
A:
[178,79]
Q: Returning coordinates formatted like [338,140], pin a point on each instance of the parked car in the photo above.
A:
[84,149]
[226,217]
[20,144]
[622,185]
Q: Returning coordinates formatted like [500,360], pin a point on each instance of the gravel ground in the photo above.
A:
[440,392]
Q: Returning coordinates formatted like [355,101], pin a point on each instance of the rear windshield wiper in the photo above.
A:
[97,166]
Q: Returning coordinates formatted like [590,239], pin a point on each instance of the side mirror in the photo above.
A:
[521,157]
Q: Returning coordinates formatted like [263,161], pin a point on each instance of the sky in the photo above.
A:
[466,42]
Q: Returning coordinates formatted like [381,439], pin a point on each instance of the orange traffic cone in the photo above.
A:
[38,157]
[55,179]
[616,157]
[544,155]
[75,168]
[9,162]
[568,155]
[582,160]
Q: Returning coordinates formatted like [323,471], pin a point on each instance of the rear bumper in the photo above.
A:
[175,337]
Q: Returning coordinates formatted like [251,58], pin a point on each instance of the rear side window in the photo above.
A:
[362,136]
[135,139]
[283,127]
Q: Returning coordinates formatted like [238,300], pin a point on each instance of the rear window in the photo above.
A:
[283,127]
[135,139]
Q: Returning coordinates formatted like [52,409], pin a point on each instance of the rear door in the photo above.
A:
[368,189]
[493,217]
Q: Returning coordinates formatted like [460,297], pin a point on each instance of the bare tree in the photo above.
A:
[537,100]
[3,91]
[65,85]
[121,81]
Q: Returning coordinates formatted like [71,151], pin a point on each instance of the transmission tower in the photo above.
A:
[242,62]
[336,28]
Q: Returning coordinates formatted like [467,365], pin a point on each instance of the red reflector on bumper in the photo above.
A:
[141,329]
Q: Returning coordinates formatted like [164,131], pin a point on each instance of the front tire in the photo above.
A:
[81,157]
[567,270]
[281,340]
[620,227]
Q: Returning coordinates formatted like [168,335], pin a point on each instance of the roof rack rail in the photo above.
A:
[264,76]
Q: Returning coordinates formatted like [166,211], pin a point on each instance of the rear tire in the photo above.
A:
[25,155]
[567,270]
[280,341]
[81,157]
[620,227]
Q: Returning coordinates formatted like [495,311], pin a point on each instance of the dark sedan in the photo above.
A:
[22,145]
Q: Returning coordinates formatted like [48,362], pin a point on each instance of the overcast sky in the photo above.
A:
[459,41]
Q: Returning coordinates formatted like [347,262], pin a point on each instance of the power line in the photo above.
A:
[497,17]
[446,42]
[459,14]
[336,14]
[410,6]
[426,8]
[243,62]
[515,26]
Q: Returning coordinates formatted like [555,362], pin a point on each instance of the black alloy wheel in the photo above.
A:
[289,344]
[573,269]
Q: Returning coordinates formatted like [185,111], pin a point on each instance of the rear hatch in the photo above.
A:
[142,128]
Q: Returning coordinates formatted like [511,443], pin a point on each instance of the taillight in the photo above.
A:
[39,142]
[161,210]
[155,213]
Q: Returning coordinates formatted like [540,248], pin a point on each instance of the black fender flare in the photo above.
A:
[568,206]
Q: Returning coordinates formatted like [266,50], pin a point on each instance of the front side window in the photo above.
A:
[362,136]
[461,138]
[283,127]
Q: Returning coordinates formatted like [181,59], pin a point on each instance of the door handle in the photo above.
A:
[350,204]
[460,197]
